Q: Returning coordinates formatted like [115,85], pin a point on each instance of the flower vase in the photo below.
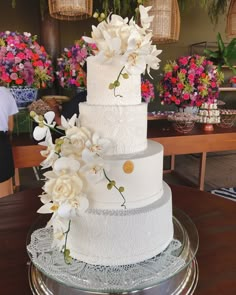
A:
[24,95]
[208,127]
[188,109]
[233,85]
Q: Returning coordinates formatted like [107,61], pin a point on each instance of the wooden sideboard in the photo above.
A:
[196,141]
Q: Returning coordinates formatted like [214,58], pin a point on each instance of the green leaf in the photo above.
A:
[220,43]
[13,3]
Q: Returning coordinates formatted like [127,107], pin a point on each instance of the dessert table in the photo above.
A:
[213,216]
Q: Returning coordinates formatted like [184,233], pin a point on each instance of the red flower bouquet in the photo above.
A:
[233,80]
[147,90]
[190,80]
[23,62]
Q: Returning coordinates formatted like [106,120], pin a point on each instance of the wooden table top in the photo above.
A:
[164,128]
[196,141]
[214,217]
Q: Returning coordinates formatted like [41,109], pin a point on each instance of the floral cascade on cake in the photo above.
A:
[106,189]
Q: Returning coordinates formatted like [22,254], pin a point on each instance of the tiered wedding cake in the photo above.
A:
[129,214]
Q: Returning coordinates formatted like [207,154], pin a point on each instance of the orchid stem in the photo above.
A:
[117,80]
[124,200]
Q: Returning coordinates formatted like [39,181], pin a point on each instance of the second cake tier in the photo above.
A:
[125,126]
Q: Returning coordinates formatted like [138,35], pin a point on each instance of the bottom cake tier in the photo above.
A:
[119,237]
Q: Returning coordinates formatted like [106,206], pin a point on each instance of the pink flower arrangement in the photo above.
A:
[23,62]
[69,66]
[147,91]
[191,80]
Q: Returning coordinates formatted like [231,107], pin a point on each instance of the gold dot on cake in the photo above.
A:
[128,166]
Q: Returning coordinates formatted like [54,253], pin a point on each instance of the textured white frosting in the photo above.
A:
[125,126]
[99,77]
[142,187]
[127,236]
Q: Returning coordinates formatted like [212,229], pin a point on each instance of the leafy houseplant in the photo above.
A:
[224,55]
[190,81]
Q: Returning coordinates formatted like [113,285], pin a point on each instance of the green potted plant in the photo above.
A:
[225,55]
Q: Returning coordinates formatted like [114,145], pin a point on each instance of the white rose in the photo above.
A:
[72,150]
[64,187]
[78,132]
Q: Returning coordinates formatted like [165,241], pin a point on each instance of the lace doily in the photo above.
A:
[85,276]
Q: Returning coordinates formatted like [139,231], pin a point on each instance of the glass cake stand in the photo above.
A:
[173,272]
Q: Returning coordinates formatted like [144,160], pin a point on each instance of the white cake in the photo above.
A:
[110,206]
[108,234]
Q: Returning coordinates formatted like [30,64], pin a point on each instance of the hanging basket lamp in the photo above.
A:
[166,21]
[70,9]
[231,20]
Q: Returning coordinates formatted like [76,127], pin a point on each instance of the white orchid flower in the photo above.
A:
[60,226]
[95,147]
[73,208]
[46,208]
[153,62]
[66,124]
[40,132]
[45,198]
[145,19]
[50,155]
[66,165]
[134,62]
[94,170]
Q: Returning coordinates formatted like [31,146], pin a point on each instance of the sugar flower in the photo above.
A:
[95,147]
[45,123]
[117,36]
[76,159]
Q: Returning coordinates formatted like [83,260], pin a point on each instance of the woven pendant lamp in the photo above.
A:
[166,22]
[231,20]
[70,9]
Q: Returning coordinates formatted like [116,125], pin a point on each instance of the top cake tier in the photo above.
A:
[100,76]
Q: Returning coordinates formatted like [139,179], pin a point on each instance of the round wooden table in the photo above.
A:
[214,217]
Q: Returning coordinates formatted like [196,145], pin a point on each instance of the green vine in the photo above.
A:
[116,83]
[66,252]
[111,184]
